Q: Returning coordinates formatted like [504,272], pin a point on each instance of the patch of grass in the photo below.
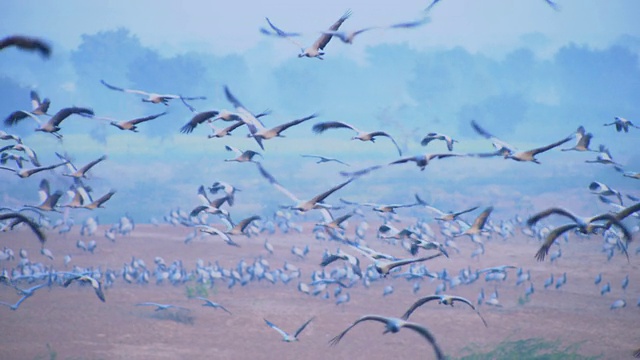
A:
[196,290]
[52,355]
[180,316]
[534,349]
[523,300]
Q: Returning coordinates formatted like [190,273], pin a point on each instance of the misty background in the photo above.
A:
[528,74]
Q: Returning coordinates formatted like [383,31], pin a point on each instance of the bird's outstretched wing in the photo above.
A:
[27,43]
[275,183]
[324,39]
[417,304]
[302,327]
[276,328]
[553,235]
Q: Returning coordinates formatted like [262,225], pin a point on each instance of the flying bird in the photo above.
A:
[347,37]
[6,136]
[302,205]
[315,50]
[384,266]
[212,304]
[48,200]
[393,325]
[95,284]
[253,121]
[423,160]
[18,218]
[604,157]
[33,157]
[362,135]
[160,307]
[218,133]
[286,337]
[382,208]
[583,139]
[25,173]
[100,201]
[81,172]
[477,227]
[510,152]
[242,156]
[323,159]
[28,43]
[130,125]
[441,215]
[239,228]
[53,125]
[26,293]
[277,31]
[152,97]
[214,231]
[554,5]
[198,118]
[582,224]
[442,299]
[259,132]
[38,107]
[622,124]
[437,136]
[431,5]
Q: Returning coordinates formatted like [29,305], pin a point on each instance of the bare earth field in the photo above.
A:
[78,326]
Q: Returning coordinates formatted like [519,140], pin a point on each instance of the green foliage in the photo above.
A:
[52,354]
[523,300]
[180,316]
[196,290]
[529,349]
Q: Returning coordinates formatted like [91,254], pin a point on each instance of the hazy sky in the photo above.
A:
[529,73]
[231,27]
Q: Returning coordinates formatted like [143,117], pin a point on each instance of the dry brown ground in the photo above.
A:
[77,325]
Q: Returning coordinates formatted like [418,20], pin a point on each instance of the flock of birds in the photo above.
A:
[420,237]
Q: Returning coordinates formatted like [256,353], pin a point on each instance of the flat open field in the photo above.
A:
[78,326]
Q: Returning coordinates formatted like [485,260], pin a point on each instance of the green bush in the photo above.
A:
[529,349]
